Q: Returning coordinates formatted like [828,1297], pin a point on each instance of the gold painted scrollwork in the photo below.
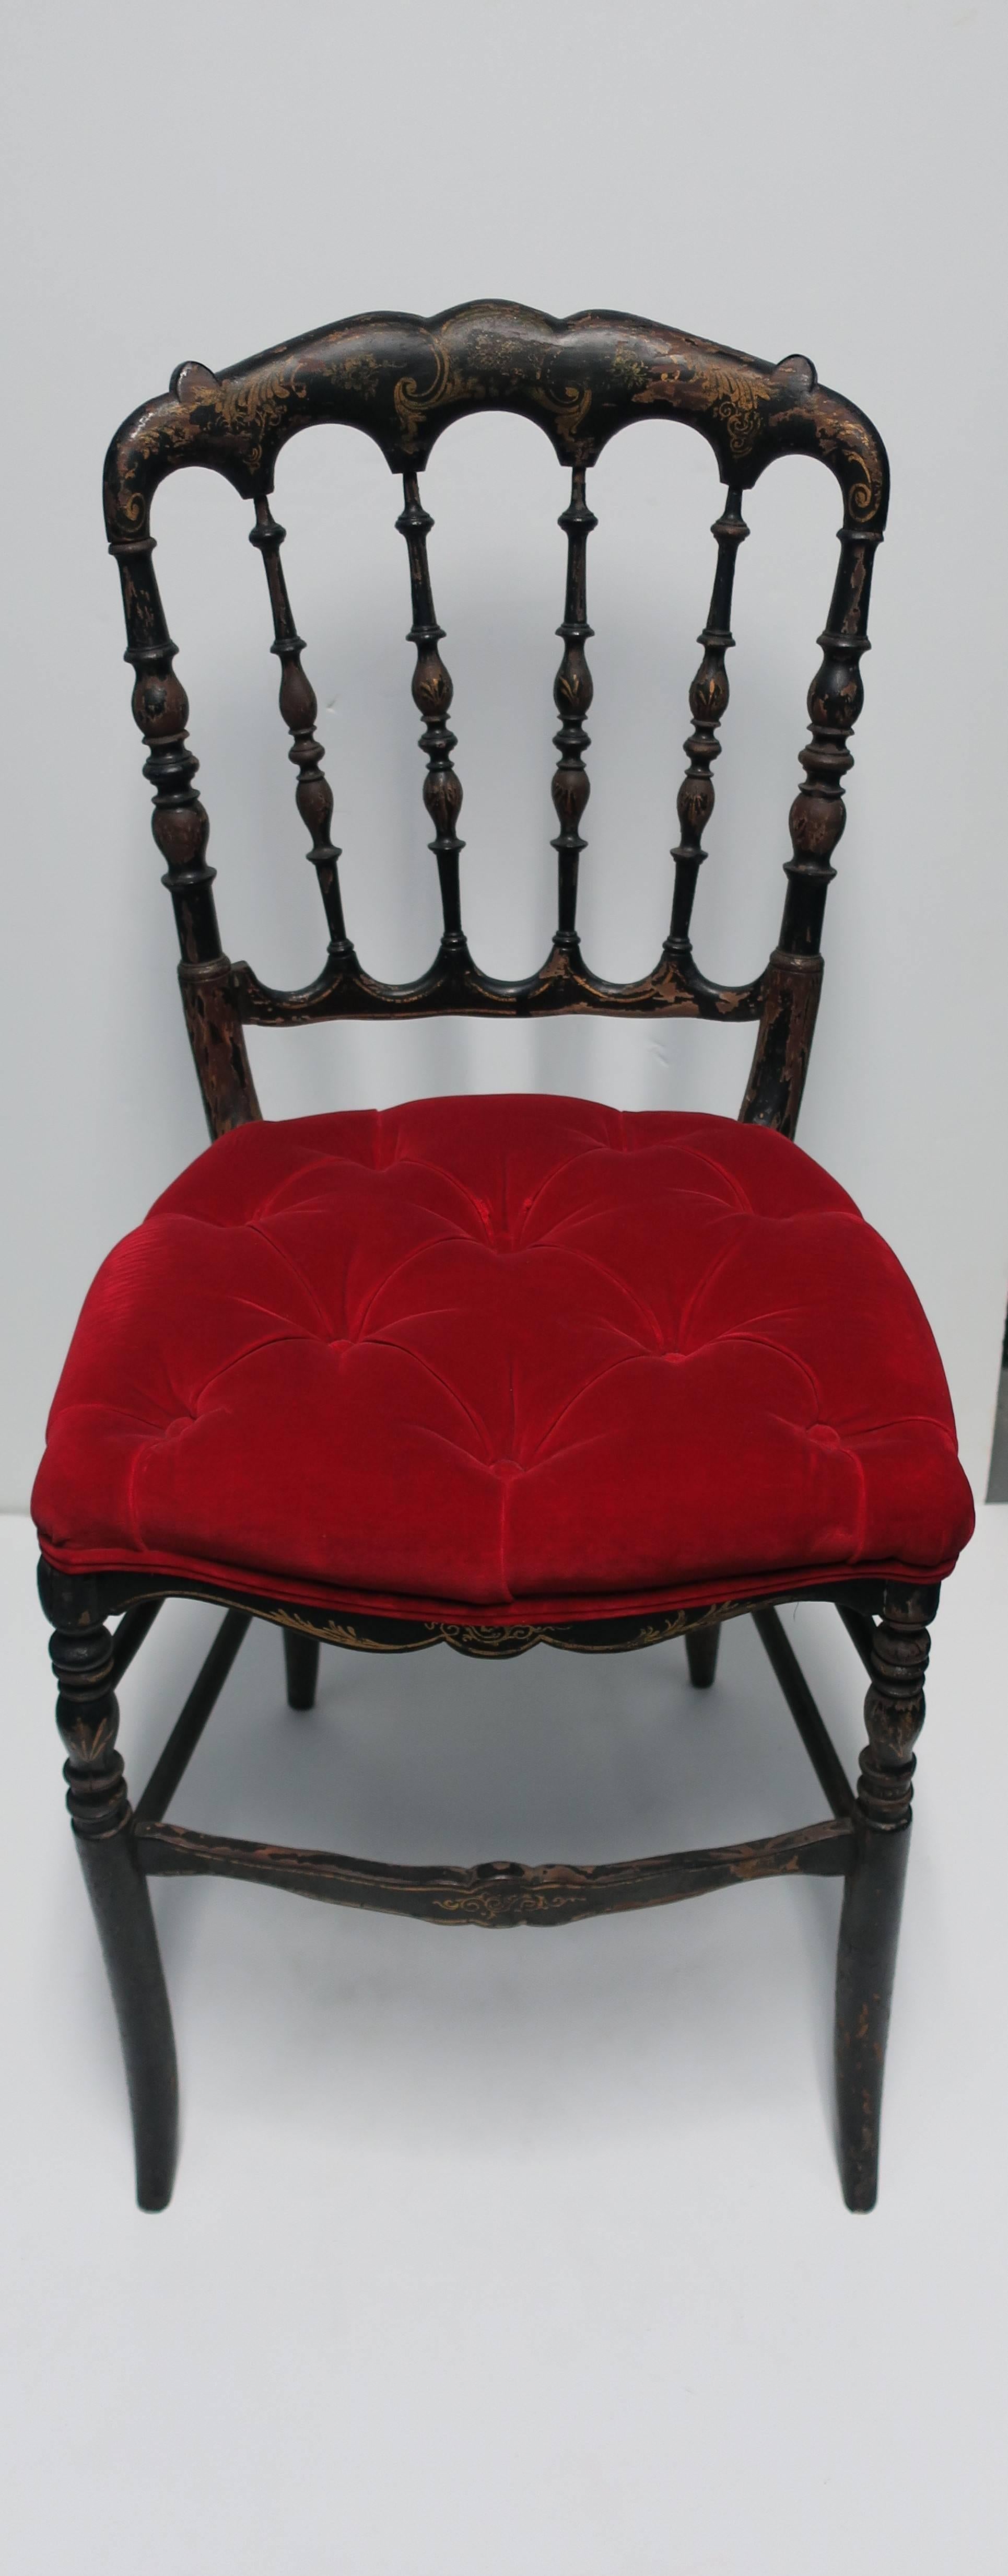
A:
[411,405]
[477,1640]
[736,403]
[861,456]
[567,407]
[729,396]
[504,1905]
[260,408]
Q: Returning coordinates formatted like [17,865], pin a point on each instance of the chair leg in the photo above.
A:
[87,1716]
[702,1654]
[301,1656]
[873,1895]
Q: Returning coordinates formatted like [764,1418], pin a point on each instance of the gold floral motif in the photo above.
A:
[736,399]
[491,1641]
[475,1639]
[657,1632]
[850,623]
[259,408]
[737,402]
[469,1639]
[333,1632]
[504,1904]
[730,397]
[247,412]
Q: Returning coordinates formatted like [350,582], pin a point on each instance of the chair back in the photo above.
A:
[404,381]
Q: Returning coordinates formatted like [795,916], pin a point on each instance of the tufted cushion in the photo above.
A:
[507,1356]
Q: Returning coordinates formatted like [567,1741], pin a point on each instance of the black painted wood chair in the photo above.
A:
[517,1371]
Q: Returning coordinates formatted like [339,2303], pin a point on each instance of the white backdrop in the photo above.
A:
[201,181]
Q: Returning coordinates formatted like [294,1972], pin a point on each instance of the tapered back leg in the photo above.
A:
[88,1716]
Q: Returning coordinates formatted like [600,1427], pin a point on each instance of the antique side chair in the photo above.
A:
[498,1372]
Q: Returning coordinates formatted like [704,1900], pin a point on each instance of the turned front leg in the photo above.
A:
[873,1896]
[87,1716]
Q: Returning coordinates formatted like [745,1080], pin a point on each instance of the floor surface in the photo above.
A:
[505,2253]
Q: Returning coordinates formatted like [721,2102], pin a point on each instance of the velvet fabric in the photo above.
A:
[503,1358]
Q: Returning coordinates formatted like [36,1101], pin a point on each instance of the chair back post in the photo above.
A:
[817,818]
[181,828]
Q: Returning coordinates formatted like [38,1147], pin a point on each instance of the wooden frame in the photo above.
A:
[403,381]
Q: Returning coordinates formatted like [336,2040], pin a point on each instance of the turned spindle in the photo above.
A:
[299,709]
[708,699]
[573,690]
[432,695]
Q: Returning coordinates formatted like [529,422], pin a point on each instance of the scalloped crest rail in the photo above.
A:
[403,382]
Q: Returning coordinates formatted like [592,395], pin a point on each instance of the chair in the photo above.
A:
[511,1371]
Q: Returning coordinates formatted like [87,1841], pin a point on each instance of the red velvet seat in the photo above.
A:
[506,1357]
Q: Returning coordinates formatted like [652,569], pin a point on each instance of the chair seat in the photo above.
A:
[507,1357]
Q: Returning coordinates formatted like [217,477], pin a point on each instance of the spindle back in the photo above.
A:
[404,381]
